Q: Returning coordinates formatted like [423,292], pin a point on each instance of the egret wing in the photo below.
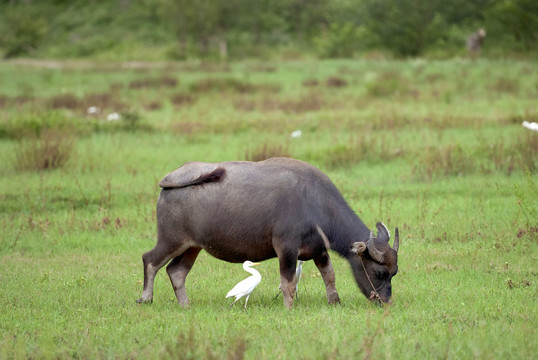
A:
[244,287]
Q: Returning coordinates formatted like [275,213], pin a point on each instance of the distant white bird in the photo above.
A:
[296,133]
[113,117]
[298,272]
[93,110]
[530,125]
[245,287]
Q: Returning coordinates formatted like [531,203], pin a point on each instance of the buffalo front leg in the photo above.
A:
[153,261]
[288,289]
[325,267]
[178,269]
[287,279]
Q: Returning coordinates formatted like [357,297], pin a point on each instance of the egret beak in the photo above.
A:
[256,264]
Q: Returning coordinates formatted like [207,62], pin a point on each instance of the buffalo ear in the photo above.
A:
[358,248]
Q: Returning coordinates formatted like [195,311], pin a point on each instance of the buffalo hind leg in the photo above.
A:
[153,261]
[178,269]
[323,262]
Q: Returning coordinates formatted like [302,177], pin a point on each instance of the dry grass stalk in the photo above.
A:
[267,151]
[51,150]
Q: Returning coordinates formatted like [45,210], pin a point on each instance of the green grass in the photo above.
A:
[435,148]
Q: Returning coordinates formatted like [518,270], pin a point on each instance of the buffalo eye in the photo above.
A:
[382,275]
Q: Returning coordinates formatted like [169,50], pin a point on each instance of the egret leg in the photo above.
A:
[323,263]
[232,304]
[246,301]
[178,269]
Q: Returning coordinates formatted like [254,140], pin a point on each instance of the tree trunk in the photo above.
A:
[223,48]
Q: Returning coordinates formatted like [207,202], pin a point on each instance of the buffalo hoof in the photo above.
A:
[333,299]
[142,301]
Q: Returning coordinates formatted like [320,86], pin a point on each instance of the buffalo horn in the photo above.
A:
[374,253]
[396,240]
[383,233]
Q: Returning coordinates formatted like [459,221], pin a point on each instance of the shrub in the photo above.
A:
[182,99]
[506,86]
[336,82]
[23,30]
[449,160]
[132,121]
[50,150]
[33,124]
[357,149]
[65,101]
[387,84]
[527,148]
[339,41]
[342,155]
[153,105]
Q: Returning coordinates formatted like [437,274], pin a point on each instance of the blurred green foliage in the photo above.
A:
[181,29]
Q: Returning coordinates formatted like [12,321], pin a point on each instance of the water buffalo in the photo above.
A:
[475,40]
[280,207]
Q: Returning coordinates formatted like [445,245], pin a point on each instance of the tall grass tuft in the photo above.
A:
[449,160]
[32,124]
[189,346]
[506,86]
[187,128]
[222,84]
[65,101]
[500,156]
[527,148]
[357,149]
[182,99]
[336,82]
[267,151]
[164,81]
[231,85]
[50,150]
[387,84]
[313,101]
[526,199]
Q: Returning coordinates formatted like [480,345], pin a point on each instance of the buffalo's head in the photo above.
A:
[374,263]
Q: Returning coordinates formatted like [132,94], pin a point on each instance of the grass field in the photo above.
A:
[435,148]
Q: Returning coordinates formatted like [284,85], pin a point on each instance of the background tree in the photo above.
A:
[405,27]
[243,28]
[515,18]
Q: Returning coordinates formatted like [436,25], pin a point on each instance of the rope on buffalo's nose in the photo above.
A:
[373,294]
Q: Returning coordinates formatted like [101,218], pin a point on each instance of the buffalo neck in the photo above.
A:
[345,229]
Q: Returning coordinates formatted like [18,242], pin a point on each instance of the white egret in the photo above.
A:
[530,125]
[296,134]
[298,272]
[245,287]
[113,117]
